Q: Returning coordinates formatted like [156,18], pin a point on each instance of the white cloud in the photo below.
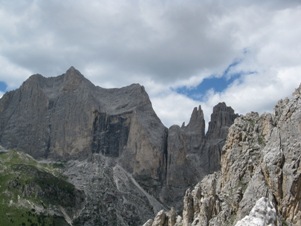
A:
[173,108]
[258,92]
[160,44]
[12,74]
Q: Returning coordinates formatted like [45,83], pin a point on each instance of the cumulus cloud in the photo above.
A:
[273,51]
[161,44]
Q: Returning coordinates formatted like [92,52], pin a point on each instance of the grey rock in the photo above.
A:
[263,213]
[114,133]
[67,118]
[148,223]
[192,154]
[113,196]
[159,219]
[259,180]
[221,120]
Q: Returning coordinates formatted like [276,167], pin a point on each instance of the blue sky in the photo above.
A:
[3,86]
[214,83]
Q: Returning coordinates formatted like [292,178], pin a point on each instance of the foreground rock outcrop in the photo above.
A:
[263,213]
[260,178]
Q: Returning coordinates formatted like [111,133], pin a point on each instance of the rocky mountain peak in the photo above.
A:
[67,118]
[221,119]
[191,154]
[73,74]
[73,78]
[35,77]
[197,122]
[116,135]
[33,81]
[64,116]
[260,179]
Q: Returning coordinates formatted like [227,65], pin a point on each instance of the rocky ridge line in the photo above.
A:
[116,149]
[260,168]
[192,153]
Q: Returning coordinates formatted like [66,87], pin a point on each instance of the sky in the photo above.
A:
[185,53]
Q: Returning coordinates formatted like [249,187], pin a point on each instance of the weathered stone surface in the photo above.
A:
[171,216]
[263,213]
[259,181]
[148,223]
[159,219]
[113,196]
[183,160]
[115,132]
[221,120]
[68,118]
[192,154]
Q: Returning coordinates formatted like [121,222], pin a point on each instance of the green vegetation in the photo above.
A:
[261,140]
[29,189]
[24,217]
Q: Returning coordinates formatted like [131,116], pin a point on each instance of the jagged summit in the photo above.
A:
[259,182]
[117,149]
[192,154]
[197,121]
[57,113]
[221,119]
[73,74]
[68,118]
[73,69]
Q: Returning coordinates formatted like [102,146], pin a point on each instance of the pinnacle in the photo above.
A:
[73,74]
[73,71]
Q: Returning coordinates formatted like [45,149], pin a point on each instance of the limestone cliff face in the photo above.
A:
[192,154]
[221,120]
[67,117]
[34,118]
[260,178]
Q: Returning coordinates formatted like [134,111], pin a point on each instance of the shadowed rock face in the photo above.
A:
[221,120]
[192,154]
[110,133]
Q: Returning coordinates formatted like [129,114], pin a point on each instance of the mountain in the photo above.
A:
[259,182]
[111,145]
[192,153]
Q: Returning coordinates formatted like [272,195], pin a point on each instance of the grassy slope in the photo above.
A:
[28,189]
